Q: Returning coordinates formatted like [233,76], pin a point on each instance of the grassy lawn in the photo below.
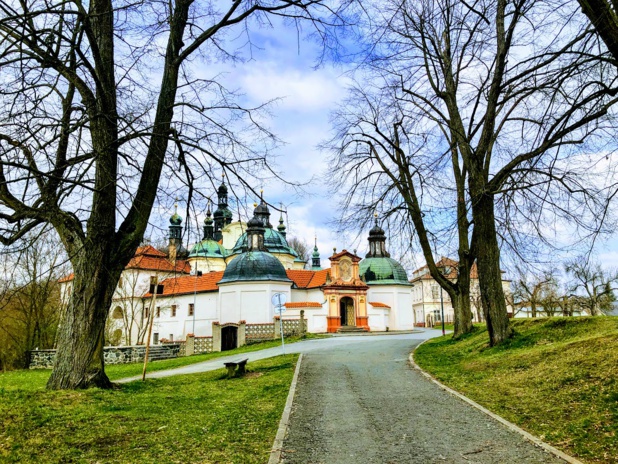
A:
[556,378]
[201,418]
[36,379]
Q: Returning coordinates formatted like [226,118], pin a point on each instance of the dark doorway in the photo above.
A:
[229,338]
[346,311]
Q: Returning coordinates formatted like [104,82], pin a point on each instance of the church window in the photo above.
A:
[146,313]
[191,309]
[173,311]
[155,338]
[171,339]
[158,311]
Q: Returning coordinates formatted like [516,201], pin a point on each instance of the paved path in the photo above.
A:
[306,346]
[359,402]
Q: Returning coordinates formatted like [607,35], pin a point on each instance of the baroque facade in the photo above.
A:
[232,274]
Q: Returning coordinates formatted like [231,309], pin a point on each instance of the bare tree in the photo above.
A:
[531,289]
[30,302]
[86,132]
[478,106]
[301,247]
[597,284]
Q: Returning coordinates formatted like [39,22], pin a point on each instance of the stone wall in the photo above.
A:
[44,359]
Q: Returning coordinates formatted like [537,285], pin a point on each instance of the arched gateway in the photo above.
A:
[346,294]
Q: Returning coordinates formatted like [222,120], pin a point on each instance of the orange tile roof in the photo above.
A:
[149,258]
[191,284]
[68,278]
[377,304]
[454,271]
[307,279]
[304,304]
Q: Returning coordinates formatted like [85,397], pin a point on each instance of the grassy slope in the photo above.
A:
[192,418]
[556,378]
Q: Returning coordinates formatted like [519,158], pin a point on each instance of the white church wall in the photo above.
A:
[316,318]
[250,301]
[399,298]
[377,318]
[182,322]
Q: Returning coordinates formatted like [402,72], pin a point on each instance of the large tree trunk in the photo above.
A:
[488,262]
[463,314]
[81,336]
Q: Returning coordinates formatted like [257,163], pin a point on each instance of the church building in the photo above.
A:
[232,274]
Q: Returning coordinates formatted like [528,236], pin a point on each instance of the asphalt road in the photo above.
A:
[360,402]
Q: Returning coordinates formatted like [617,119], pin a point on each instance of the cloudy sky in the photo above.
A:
[282,67]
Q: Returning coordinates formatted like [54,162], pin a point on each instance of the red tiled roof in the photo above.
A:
[68,278]
[377,304]
[446,262]
[191,284]
[149,258]
[304,304]
[307,279]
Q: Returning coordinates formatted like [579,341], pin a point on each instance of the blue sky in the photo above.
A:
[282,68]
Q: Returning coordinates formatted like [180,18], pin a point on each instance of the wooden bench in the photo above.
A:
[236,367]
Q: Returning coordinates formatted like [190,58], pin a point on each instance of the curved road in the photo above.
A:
[360,402]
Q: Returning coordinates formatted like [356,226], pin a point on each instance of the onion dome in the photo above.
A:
[208,248]
[382,271]
[262,212]
[274,242]
[378,268]
[255,264]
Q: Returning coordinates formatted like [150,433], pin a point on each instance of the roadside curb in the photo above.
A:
[275,453]
[528,436]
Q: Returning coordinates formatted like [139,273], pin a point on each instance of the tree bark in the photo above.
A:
[488,263]
[79,359]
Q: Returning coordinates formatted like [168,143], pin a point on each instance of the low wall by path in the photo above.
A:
[44,359]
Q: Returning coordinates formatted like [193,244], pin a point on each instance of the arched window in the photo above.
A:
[117,314]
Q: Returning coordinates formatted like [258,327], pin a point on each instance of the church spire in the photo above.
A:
[223,215]
[209,229]
[175,237]
[377,242]
[316,264]
[281,226]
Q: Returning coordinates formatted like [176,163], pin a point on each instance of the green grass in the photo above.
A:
[201,418]
[35,379]
[556,378]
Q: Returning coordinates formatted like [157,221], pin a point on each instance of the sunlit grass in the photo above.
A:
[556,378]
[201,418]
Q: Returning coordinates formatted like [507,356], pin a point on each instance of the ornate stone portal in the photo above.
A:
[346,294]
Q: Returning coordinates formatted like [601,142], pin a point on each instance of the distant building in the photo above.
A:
[427,294]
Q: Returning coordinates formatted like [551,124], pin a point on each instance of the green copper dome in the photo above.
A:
[274,242]
[208,248]
[254,266]
[175,220]
[383,271]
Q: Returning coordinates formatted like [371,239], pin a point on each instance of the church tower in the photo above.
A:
[316,264]
[175,237]
[223,215]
